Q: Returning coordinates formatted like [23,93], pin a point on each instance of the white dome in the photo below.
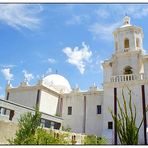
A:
[57,82]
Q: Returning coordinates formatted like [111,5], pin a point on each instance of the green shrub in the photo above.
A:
[66,129]
[43,136]
[28,124]
[94,140]
[30,132]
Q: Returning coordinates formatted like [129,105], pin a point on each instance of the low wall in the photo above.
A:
[9,128]
[7,131]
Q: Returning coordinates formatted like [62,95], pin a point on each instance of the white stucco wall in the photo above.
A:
[108,105]
[128,59]
[146,67]
[48,103]
[107,71]
[93,121]
[26,97]
[74,121]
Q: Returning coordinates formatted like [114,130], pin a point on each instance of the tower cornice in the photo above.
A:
[129,28]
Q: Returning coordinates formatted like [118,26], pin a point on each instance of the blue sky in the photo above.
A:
[72,39]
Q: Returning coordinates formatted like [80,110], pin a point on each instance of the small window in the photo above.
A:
[126,43]
[110,125]
[11,115]
[69,110]
[98,109]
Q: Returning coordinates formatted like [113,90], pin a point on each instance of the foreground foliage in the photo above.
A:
[94,140]
[127,129]
[30,132]
[28,124]
[45,137]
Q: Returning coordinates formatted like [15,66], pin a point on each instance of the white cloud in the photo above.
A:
[51,60]
[136,11]
[77,19]
[7,74]
[7,66]
[78,57]
[119,10]
[102,13]
[103,31]
[20,15]
[49,71]
[28,76]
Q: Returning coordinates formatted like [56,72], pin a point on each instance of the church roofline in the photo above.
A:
[33,87]
[83,93]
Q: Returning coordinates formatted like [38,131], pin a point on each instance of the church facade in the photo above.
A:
[89,112]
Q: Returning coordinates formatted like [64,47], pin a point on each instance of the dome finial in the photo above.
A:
[126,20]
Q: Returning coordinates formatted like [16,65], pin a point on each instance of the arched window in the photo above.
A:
[126,43]
[137,42]
[128,70]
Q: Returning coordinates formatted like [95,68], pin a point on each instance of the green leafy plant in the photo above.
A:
[66,129]
[94,140]
[30,132]
[45,137]
[28,124]
[126,121]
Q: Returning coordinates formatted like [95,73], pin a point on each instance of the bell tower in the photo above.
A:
[127,68]
[128,37]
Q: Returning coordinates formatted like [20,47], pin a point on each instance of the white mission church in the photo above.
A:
[88,112]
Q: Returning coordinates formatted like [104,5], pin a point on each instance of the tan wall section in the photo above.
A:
[7,131]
